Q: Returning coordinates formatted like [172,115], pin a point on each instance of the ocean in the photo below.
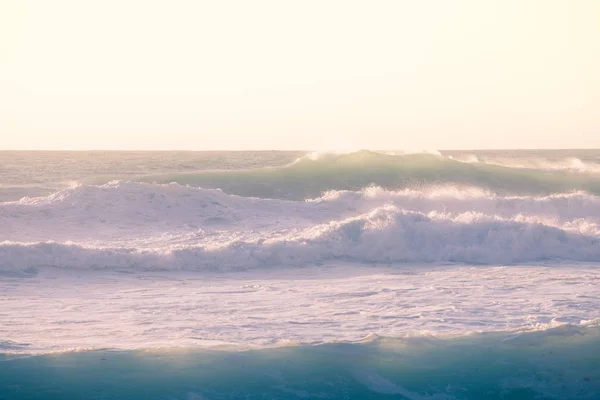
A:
[300,275]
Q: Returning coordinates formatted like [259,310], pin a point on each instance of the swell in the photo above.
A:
[558,363]
[310,176]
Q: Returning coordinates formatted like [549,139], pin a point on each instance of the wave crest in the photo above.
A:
[384,235]
[312,175]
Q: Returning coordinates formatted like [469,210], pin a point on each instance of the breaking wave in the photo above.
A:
[151,226]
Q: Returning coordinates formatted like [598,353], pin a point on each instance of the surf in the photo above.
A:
[152,226]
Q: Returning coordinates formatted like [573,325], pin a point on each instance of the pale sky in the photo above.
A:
[282,74]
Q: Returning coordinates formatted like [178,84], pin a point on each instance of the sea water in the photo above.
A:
[287,275]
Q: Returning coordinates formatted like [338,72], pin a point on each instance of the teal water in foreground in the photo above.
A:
[559,363]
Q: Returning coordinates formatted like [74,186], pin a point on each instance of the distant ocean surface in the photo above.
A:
[300,275]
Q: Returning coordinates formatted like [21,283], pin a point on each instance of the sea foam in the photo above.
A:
[151,226]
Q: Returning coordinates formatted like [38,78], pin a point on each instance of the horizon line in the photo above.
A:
[299,150]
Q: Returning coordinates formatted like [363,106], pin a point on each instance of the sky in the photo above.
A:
[279,74]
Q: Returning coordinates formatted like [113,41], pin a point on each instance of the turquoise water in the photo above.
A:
[560,363]
[298,175]
[309,178]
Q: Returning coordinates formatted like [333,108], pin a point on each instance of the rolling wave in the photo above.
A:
[149,226]
[557,363]
[383,236]
[310,176]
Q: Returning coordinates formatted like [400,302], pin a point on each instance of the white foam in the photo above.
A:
[58,310]
[134,225]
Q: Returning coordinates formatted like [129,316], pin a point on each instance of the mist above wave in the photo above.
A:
[568,164]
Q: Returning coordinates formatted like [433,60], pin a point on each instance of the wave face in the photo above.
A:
[560,363]
[312,175]
[153,226]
